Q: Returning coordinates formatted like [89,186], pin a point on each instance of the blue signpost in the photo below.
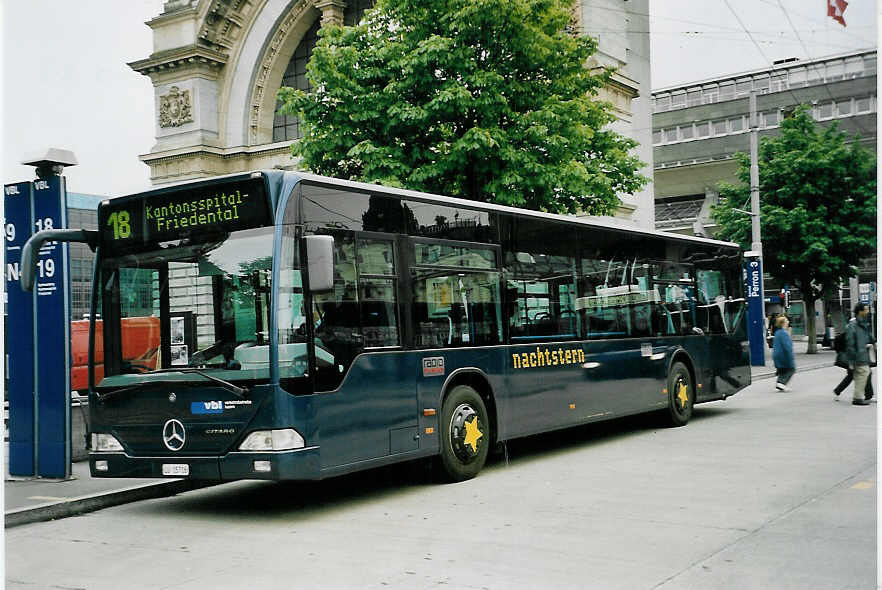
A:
[19,334]
[52,333]
[753,268]
[38,334]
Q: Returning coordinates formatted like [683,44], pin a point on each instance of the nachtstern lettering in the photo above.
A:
[201,213]
[547,357]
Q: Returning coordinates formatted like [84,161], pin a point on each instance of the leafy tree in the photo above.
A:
[817,207]
[483,99]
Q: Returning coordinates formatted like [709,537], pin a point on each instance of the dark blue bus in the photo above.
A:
[310,327]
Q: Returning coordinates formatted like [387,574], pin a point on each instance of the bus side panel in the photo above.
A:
[549,388]
[373,413]
[486,363]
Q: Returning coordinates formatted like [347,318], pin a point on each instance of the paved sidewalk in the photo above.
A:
[804,362]
[32,500]
[28,499]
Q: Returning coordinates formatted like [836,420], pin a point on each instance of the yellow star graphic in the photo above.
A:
[682,394]
[473,433]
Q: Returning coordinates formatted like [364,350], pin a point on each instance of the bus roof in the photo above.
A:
[377,188]
[277,179]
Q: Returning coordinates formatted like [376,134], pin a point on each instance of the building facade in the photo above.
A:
[217,66]
[82,213]
[698,127]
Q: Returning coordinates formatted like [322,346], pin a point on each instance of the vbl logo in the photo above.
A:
[210,407]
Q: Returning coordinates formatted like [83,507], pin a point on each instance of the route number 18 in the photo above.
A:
[120,221]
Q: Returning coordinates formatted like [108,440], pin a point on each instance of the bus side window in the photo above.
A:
[377,293]
[457,309]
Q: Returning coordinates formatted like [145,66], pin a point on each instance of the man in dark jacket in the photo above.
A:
[839,346]
[858,341]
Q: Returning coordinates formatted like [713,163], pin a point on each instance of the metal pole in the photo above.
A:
[756,239]
[758,356]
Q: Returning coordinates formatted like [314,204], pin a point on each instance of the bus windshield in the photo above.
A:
[189,304]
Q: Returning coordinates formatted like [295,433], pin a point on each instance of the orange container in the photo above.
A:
[140,348]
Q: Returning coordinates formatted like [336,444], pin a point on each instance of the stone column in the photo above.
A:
[332,11]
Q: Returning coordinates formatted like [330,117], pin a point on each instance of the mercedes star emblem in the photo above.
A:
[173,435]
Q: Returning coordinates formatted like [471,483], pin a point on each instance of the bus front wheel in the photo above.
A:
[681,395]
[465,434]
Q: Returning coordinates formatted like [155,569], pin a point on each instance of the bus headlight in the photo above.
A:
[273,440]
[105,442]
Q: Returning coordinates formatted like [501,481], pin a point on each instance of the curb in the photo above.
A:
[770,374]
[91,503]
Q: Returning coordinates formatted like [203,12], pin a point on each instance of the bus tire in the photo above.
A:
[465,434]
[681,395]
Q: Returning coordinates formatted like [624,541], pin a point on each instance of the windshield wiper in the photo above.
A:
[232,388]
[239,392]
[102,397]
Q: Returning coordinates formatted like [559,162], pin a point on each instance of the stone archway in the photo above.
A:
[216,70]
[267,75]
[218,64]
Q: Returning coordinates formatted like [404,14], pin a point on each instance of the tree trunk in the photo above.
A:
[809,301]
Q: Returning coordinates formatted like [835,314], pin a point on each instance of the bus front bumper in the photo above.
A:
[296,464]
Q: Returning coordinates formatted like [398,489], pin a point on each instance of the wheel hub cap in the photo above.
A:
[465,432]
[682,393]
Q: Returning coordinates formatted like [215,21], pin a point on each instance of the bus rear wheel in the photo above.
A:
[681,395]
[465,434]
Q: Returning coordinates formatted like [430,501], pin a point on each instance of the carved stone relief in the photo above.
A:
[175,108]
[224,23]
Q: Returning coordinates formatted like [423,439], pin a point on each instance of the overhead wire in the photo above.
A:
[813,18]
[825,84]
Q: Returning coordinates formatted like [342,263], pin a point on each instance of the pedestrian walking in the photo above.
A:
[782,353]
[860,351]
[842,362]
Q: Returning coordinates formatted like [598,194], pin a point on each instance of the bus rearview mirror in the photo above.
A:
[320,262]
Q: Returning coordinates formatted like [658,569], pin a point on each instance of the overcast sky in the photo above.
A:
[66,83]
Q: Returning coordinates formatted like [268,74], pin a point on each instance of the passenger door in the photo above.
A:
[367,398]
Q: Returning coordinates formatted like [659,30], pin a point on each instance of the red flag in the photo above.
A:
[836,8]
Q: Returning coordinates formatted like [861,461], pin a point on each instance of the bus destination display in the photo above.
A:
[170,215]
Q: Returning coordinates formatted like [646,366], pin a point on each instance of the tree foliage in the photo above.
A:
[483,99]
[817,206]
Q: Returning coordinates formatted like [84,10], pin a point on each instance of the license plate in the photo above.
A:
[175,469]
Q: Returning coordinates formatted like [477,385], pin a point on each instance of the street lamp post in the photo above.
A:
[756,239]
[756,296]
